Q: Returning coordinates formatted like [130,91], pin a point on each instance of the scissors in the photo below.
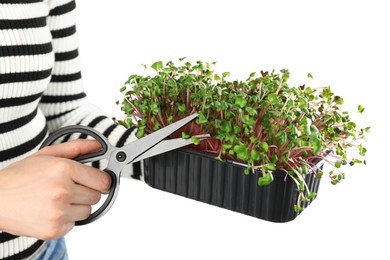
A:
[118,158]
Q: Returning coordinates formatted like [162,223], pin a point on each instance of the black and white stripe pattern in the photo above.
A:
[41,89]
[14,247]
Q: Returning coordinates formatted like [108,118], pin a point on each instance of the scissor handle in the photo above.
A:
[65,131]
[68,130]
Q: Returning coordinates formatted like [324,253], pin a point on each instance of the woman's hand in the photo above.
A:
[43,195]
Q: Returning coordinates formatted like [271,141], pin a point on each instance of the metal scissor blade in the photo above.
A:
[140,146]
[168,145]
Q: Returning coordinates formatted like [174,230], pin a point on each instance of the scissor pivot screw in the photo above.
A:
[121,156]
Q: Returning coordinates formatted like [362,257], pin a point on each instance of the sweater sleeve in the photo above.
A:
[64,102]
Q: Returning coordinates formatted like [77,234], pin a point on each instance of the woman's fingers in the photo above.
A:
[71,149]
[63,190]
[81,174]
[91,177]
[79,212]
[82,195]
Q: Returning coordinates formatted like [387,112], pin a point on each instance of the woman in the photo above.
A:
[42,193]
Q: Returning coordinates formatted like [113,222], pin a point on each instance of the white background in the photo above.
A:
[344,44]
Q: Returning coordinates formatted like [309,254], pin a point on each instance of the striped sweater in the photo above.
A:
[41,89]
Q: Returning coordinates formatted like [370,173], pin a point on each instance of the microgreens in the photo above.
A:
[260,121]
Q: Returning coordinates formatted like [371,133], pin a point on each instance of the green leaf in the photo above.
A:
[265,180]
[182,108]
[340,176]
[241,152]
[195,140]
[154,107]
[241,102]
[362,150]
[337,164]
[274,158]
[253,139]
[306,121]
[304,199]
[316,145]
[250,121]
[301,186]
[255,155]
[236,129]
[338,100]
[319,174]
[156,126]
[313,131]
[270,166]
[308,91]
[251,111]
[273,99]
[310,76]
[226,126]
[297,208]
[184,135]
[285,74]
[209,73]
[282,137]
[311,195]
[266,120]
[264,146]
[201,119]
[226,147]
[295,131]
[141,131]
[360,109]
[304,169]
[157,65]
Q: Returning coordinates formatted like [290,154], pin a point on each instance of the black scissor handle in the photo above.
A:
[107,203]
[68,130]
[89,157]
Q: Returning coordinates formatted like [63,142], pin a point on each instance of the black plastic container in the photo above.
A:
[200,177]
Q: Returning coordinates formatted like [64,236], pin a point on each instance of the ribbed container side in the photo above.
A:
[200,177]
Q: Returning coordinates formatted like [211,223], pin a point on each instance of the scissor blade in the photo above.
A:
[140,146]
[169,145]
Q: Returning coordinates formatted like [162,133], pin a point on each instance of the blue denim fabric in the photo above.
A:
[51,250]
